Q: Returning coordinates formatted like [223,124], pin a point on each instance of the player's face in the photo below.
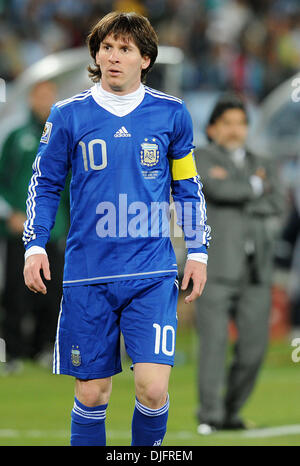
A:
[121,65]
[230,130]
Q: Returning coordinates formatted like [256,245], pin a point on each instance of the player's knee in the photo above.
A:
[153,395]
[93,392]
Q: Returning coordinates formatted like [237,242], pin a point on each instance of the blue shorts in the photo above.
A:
[91,318]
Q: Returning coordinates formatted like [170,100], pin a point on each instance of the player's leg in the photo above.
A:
[88,347]
[149,326]
[89,411]
[149,422]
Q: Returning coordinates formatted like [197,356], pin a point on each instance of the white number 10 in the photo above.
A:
[161,339]
[91,154]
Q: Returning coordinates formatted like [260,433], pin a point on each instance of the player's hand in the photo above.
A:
[32,272]
[195,271]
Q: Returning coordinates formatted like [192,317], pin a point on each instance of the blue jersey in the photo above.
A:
[122,171]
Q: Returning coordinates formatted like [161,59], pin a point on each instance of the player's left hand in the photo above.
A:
[197,272]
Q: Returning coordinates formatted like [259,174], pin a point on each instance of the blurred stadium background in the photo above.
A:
[206,47]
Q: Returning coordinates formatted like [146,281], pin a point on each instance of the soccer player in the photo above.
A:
[126,145]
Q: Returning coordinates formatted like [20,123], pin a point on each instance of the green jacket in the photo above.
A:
[236,215]
[17,156]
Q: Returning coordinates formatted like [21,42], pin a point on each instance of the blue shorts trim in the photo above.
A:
[86,375]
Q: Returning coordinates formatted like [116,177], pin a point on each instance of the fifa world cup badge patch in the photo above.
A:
[149,153]
[46,132]
[75,356]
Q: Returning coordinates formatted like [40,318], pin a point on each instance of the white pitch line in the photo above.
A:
[14,433]
[272,431]
[181,435]
[8,433]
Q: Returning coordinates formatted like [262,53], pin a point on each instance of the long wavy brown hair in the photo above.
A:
[130,25]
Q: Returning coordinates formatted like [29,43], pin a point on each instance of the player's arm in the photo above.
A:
[191,216]
[190,205]
[50,170]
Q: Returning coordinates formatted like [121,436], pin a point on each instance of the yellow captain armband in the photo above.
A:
[184,168]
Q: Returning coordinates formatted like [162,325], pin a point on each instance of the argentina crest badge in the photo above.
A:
[149,153]
[75,356]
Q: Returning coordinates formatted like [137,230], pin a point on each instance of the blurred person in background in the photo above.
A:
[242,193]
[288,258]
[29,322]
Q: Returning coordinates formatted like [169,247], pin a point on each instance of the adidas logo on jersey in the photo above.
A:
[122,133]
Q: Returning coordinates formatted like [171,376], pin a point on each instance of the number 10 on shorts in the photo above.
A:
[161,336]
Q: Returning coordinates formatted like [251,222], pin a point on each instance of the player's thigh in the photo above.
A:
[149,322]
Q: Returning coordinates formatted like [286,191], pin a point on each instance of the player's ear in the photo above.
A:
[97,58]
[145,62]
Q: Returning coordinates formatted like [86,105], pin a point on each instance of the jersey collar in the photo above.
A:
[119,105]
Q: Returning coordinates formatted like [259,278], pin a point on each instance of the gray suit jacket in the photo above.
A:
[236,215]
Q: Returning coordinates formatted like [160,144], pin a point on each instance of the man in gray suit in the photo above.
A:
[242,194]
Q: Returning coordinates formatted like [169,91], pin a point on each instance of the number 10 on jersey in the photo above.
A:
[161,336]
[89,157]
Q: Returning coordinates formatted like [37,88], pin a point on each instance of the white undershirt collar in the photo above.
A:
[119,105]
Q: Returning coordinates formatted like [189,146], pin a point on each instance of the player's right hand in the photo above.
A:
[32,272]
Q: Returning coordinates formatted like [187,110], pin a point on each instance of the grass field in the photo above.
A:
[35,405]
